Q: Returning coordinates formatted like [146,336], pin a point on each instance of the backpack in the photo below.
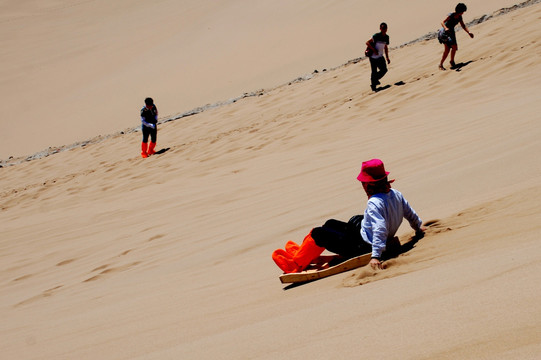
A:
[368,52]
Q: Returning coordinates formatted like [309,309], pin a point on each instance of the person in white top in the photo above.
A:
[378,46]
[385,209]
[372,232]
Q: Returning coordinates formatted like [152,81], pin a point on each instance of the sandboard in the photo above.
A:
[322,271]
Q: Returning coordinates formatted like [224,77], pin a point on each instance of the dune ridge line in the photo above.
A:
[51,150]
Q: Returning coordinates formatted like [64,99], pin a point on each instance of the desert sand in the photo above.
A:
[72,70]
[105,255]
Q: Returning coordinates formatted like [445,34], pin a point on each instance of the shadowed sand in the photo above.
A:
[107,255]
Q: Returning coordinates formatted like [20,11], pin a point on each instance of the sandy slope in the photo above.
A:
[107,255]
[75,69]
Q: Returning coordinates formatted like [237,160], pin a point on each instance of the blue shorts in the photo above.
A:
[447,37]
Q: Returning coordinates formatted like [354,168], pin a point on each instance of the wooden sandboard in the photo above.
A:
[314,274]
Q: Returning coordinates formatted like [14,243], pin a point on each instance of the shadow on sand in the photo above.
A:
[161,151]
[381,88]
[459,66]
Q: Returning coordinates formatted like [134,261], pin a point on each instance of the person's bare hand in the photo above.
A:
[376,264]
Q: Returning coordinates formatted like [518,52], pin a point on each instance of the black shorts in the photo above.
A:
[341,238]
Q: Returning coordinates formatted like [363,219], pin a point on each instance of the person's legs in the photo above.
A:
[151,147]
[144,143]
[284,260]
[444,56]
[454,48]
[296,258]
[307,252]
[374,74]
[340,238]
[292,247]
[146,133]
[153,138]
[382,65]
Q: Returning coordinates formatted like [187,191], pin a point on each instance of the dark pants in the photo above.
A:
[341,238]
[377,64]
[153,133]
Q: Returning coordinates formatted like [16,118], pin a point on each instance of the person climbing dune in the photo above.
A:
[149,127]
[447,36]
[377,47]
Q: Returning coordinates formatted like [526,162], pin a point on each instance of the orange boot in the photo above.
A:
[291,261]
[284,260]
[292,247]
[144,149]
[307,252]
[151,147]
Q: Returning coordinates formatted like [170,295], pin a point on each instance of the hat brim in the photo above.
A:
[368,179]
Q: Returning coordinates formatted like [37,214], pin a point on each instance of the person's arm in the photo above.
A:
[444,22]
[379,232]
[152,126]
[145,123]
[414,220]
[387,54]
[465,28]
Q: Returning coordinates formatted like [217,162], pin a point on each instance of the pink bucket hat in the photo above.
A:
[372,171]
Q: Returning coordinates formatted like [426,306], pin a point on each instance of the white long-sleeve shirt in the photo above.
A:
[382,218]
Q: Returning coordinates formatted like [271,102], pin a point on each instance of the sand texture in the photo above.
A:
[105,255]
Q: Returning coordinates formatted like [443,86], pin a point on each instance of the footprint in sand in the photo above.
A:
[106,270]
[44,294]
[65,262]
[20,278]
[100,267]
[156,237]
[435,226]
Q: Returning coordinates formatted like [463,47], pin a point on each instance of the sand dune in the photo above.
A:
[72,70]
[107,255]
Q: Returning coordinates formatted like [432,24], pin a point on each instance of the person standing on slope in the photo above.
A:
[378,46]
[149,121]
[447,36]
